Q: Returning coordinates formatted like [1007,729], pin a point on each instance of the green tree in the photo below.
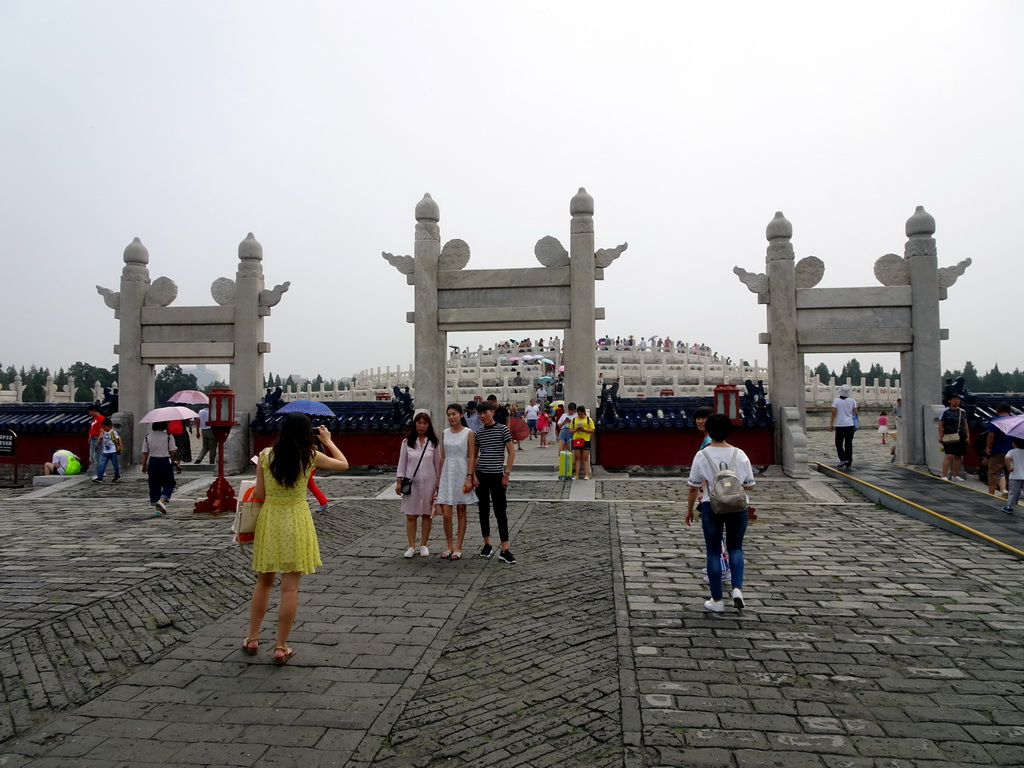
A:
[876,373]
[971,378]
[170,380]
[851,372]
[289,382]
[215,385]
[993,381]
[86,376]
[823,373]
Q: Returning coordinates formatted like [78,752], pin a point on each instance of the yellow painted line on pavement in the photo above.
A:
[932,512]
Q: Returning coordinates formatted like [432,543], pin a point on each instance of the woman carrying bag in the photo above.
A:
[419,463]
[285,540]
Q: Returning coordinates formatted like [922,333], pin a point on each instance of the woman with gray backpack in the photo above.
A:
[726,475]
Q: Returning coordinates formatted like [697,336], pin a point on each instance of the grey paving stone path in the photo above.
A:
[869,638]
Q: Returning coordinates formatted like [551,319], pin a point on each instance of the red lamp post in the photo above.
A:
[727,401]
[221,496]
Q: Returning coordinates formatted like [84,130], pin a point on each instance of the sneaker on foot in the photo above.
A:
[892,458]
[161,508]
[737,599]
[507,557]
[97,479]
[117,479]
[424,552]
[717,606]
[957,478]
[1007,510]
[410,552]
[487,551]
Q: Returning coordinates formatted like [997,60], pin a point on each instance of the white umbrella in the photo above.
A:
[168,413]
[1012,426]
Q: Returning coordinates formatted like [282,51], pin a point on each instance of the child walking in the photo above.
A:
[542,426]
[111,442]
[883,426]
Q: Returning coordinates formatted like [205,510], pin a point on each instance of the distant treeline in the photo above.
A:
[993,381]
[318,382]
[33,380]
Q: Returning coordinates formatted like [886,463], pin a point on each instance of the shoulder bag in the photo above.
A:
[954,437]
[407,481]
[246,513]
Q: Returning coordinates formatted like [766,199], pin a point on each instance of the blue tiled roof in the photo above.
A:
[671,413]
[41,418]
[368,416]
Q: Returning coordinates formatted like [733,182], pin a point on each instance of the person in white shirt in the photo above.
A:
[733,525]
[532,412]
[205,433]
[844,424]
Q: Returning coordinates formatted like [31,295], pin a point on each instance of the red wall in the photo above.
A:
[666,447]
[360,448]
[35,449]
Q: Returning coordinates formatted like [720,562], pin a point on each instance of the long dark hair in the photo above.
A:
[458,408]
[294,449]
[411,440]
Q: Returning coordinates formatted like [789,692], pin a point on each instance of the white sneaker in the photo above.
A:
[958,479]
[716,606]
[737,599]
[410,552]
[424,552]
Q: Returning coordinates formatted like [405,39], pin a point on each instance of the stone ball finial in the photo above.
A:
[582,204]
[427,210]
[250,249]
[779,228]
[136,253]
[921,223]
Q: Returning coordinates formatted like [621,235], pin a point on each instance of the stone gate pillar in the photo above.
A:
[923,386]
[247,366]
[580,351]
[135,378]
[431,342]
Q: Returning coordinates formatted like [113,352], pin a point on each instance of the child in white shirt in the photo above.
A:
[1015,466]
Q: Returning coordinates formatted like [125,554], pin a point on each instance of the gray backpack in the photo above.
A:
[725,489]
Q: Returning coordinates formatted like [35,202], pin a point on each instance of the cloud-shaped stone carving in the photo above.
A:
[111,298]
[161,293]
[948,275]
[808,272]
[270,297]
[606,256]
[892,270]
[454,255]
[223,291]
[756,282]
[404,264]
[550,252]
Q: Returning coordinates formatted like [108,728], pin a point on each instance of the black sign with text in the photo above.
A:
[8,444]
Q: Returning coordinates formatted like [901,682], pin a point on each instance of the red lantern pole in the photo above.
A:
[221,496]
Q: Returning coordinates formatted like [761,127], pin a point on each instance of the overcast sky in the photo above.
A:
[318,126]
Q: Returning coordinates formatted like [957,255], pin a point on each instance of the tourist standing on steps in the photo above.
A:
[734,525]
[472,420]
[532,414]
[493,469]
[582,428]
[953,421]
[157,453]
[843,423]
[285,540]
[455,486]
[420,460]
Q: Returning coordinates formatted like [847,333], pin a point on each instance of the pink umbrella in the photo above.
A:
[189,396]
[513,359]
[561,368]
[168,413]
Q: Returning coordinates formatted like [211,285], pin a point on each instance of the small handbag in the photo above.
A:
[954,437]
[406,486]
[246,513]
[578,442]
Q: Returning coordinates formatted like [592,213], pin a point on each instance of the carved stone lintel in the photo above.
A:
[550,252]
[454,255]
[892,270]
[809,271]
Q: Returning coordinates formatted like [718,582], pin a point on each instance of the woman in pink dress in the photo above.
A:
[420,460]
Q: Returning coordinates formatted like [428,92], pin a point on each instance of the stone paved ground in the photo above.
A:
[869,639]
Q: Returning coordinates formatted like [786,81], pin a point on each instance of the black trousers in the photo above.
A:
[844,443]
[488,489]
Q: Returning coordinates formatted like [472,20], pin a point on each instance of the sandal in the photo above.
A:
[283,658]
[251,645]
[446,554]
[456,556]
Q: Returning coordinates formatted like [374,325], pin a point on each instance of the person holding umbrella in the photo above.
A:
[285,540]
[158,449]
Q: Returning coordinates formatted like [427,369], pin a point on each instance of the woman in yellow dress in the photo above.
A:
[285,540]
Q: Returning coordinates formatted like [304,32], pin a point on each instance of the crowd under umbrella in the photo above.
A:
[189,397]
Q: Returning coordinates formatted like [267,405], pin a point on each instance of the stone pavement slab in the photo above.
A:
[869,639]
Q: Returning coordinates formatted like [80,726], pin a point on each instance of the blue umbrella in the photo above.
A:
[308,407]
[545,379]
[545,360]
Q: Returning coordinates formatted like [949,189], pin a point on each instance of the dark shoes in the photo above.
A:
[487,551]
[507,557]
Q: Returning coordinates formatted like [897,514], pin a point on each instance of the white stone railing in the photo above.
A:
[15,391]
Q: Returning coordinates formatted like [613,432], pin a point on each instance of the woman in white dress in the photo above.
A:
[455,477]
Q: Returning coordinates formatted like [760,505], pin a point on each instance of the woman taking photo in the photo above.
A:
[419,461]
[458,468]
[285,539]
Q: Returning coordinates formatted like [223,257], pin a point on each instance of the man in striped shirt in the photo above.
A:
[493,441]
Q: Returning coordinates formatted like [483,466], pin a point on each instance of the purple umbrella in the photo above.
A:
[1012,426]
[308,407]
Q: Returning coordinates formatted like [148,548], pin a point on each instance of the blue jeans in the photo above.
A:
[109,457]
[95,453]
[161,479]
[734,526]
